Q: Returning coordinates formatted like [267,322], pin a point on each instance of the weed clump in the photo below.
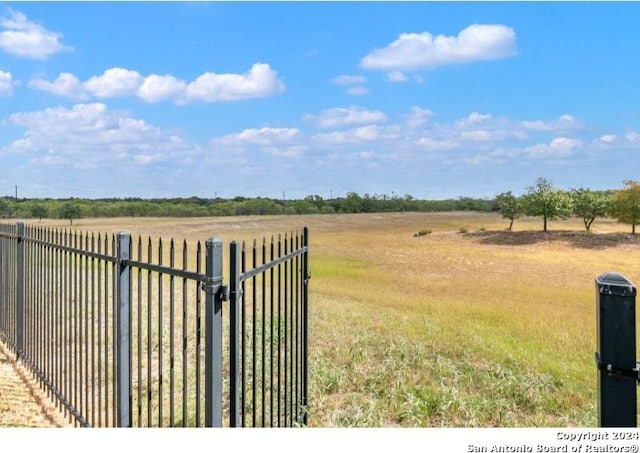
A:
[422,232]
[463,230]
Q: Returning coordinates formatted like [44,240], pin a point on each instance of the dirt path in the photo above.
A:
[22,401]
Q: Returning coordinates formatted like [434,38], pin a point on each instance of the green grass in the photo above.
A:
[488,328]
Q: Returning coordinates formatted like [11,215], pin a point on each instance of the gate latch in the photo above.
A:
[616,371]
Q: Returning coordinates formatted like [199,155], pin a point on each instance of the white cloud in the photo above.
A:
[344,80]
[156,88]
[562,124]
[66,85]
[415,51]
[23,38]
[263,136]
[341,117]
[286,142]
[632,137]
[89,135]
[357,135]
[259,81]
[559,146]
[357,91]
[473,120]
[114,82]
[608,139]
[396,76]
[6,84]
[418,117]
[433,144]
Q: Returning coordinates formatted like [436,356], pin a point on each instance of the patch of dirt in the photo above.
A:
[22,402]
[578,239]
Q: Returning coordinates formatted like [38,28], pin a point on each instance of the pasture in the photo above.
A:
[468,326]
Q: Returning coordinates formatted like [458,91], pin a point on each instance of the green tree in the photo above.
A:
[625,205]
[589,205]
[352,204]
[6,208]
[509,206]
[38,210]
[70,210]
[544,200]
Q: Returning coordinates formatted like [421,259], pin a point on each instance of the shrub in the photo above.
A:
[422,232]
[463,230]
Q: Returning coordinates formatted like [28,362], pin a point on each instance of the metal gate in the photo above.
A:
[146,333]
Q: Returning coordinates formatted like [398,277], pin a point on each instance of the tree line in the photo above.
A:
[74,208]
[546,201]
[542,199]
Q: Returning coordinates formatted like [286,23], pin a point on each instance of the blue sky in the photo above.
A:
[435,100]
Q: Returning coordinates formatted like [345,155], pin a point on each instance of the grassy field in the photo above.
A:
[467,326]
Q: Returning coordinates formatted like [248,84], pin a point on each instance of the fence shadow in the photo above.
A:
[579,239]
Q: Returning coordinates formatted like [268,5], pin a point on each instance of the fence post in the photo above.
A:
[20,290]
[213,333]
[234,329]
[123,318]
[616,356]
[305,325]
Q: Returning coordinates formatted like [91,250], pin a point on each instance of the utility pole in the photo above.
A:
[16,193]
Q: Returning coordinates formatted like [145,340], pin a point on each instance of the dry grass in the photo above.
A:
[23,403]
[485,328]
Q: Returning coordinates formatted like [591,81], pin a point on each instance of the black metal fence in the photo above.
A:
[144,333]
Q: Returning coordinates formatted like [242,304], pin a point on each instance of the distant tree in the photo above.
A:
[352,204]
[544,200]
[6,208]
[316,200]
[625,205]
[589,205]
[509,206]
[38,210]
[70,210]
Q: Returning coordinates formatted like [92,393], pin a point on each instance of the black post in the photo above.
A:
[213,334]
[306,275]
[616,356]
[123,319]
[234,330]
[20,291]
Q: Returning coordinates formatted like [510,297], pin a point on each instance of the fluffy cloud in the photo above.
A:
[6,83]
[415,51]
[397,76]
[155,88]
[66,84]
[115,82]
[418,117]
[559,146]
[562,124]
[357,91]
[23,38]
[632,137]
[275,141]
[353,83]
[341,117]
[343,80]
[88,135]
[259,81]
[607,139]
[359,135]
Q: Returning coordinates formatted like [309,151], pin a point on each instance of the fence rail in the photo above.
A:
[124,332]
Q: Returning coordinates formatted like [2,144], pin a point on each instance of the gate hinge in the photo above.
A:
[214,286]
[612,370]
